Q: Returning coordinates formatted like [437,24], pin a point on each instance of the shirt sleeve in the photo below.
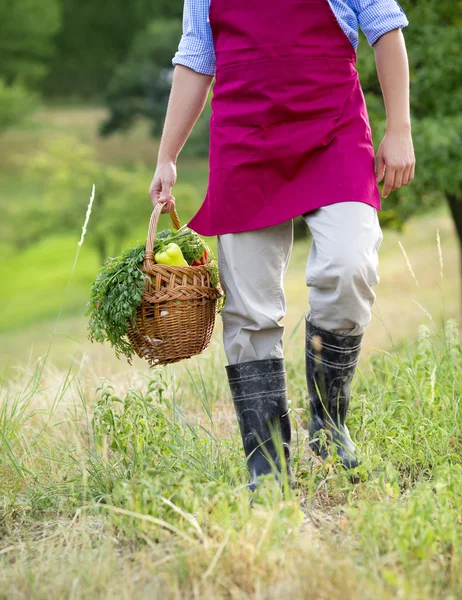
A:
[196,49]
[377,17]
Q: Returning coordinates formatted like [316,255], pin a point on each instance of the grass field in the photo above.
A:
[120,482]
[137,488]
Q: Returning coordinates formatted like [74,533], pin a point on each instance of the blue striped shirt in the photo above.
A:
[374,17]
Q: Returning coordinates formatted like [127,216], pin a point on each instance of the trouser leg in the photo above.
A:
[341,270]
[252,266]
[342,266]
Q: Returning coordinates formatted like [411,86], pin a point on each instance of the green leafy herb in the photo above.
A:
[114,298]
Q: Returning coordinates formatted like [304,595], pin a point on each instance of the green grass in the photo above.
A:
[138,489]
[34,282]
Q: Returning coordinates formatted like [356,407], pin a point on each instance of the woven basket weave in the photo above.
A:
[177,313]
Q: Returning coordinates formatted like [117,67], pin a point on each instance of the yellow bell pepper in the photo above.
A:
[171,255]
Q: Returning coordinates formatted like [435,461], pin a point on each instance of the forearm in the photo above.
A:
[187,100]
[393,72]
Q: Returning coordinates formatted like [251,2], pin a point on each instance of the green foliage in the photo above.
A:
[16,103]
[147,436]
[94,40]
[68,169]
[26,33]
[434,38]
[199,141]
[417,427]
[115,296]
[141,86]
[419,530]
[440,144]
[159,463]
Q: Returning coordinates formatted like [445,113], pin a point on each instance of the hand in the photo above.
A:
[161,186]
[395,160]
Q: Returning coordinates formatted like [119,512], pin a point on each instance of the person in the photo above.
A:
[290,136]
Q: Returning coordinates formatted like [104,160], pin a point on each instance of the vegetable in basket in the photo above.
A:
[171,255]
[121,282]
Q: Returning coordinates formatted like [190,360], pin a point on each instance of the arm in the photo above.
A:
[187,100]
[194,72]
[395,158]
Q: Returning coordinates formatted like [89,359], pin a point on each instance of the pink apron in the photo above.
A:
[289,130]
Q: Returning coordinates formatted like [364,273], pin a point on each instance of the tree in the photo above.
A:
[26,32]
[141,85]
[69,169]
[26,38]
[15,104]
[94,40]
[434,40]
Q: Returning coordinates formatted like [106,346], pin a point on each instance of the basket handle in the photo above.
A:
[153,222]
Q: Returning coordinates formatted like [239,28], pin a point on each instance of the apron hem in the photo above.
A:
[203,231]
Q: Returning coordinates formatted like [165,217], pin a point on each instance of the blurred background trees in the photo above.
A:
[434,41]
[95,38]
[140,85]
[27,31]
[16,103]
[66,168]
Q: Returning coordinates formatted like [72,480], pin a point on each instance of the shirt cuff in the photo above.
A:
[374,26]
[195,54]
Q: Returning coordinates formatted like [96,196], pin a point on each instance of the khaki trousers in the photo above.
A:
[341,271]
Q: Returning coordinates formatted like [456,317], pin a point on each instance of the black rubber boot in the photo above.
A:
[259,393]
[331,361]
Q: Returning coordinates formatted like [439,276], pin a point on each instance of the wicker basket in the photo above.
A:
[177,314]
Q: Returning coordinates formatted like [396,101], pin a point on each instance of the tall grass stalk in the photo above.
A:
[440,253]
[14,409]
[68,285]
[408,263]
